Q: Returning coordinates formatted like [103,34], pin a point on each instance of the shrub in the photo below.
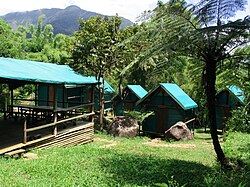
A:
[239,121]
[138,116]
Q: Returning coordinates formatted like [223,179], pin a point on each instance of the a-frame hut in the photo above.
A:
[53,120]
[229,98]
[109,93]
[130,95]
[127,101]
[117,105]
[170,105]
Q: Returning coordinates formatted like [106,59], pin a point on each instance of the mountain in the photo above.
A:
[64,21]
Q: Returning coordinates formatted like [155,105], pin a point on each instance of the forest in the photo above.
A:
[199,47]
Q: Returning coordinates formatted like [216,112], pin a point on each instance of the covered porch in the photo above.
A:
[26,123]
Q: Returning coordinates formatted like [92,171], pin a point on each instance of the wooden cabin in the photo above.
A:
[130,95]
[127,102]
[51,118]
[170,105]
[117,105]
[229,98]
[73,95]
[109,93]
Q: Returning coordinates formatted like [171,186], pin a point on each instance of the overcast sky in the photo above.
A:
[129,9]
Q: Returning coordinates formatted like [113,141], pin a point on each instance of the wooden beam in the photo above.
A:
[25,131]
[54,110]
[58,122]
[92,109]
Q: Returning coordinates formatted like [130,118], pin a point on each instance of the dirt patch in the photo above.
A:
[159,143]
[103,140]
[29,156]
[111,142]
[109,145]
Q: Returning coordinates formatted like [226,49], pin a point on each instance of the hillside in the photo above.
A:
[64,21]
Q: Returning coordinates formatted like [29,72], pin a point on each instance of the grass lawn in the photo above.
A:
[140,161]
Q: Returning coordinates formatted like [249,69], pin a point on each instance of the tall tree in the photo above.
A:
[204,33]
[95,49]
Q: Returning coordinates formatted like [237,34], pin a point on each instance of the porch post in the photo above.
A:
[92,100]
[25,131]
[11,101]
[55,109]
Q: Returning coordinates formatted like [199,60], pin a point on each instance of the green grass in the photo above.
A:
[130,162]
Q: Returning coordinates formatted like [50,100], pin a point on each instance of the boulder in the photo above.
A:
[123,126]
[179,131]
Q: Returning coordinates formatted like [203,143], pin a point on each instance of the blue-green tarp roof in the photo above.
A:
[139,91]
[174,91]
[107,87]
[237,92]
[40,72]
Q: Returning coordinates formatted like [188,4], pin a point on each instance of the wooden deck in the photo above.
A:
[12,136]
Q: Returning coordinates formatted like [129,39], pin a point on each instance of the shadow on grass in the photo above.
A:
[147,171]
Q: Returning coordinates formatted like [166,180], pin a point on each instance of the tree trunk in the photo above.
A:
[210,78]
[101,103]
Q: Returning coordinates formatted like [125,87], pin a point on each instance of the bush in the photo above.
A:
[138,116]
[239,121]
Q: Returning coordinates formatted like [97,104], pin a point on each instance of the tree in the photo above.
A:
[96,49]
[9,47]
[204,33]
[39,43]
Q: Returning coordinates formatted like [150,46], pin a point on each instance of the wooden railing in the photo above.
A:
[54,124]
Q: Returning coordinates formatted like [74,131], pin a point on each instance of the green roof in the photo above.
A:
[107,87]
[237,92]
[174,91]
[138,90]
[40,72]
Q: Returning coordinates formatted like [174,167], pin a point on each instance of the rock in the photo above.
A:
[179,131]
[30,156]
[123,126]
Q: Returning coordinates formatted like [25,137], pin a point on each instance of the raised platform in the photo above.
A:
[11,136]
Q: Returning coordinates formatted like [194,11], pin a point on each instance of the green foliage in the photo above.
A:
[9,46]
[236,147]
[171,183]
[140,116]
[94,49]
[239,120]
[39,43]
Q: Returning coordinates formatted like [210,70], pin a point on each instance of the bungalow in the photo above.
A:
[73,95]
[50,118]
[130,95]
[170,105]
[229,98]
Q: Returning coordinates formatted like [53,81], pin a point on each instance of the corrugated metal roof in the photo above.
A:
[237,92]
[176,93]
[107,87]
[32,71]
[139,91]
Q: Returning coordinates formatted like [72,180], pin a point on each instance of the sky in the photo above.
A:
[129,9]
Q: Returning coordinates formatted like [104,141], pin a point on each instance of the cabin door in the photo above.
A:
[51,95]
[162,118]
[129,106]
[225,113]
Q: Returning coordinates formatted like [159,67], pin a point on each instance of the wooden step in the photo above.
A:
[11,148]
[15,152]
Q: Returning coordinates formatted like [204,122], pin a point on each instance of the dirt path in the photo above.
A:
[110,144]
[159,143]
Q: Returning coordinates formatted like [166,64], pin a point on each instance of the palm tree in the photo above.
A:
[204,33]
